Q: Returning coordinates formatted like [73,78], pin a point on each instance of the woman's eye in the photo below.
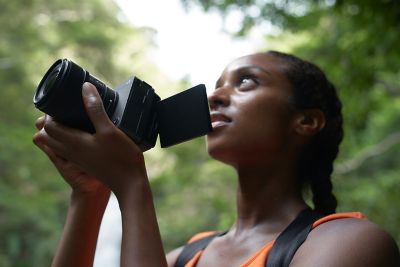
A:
[247,83]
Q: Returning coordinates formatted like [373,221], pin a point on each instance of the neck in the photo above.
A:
[267,199]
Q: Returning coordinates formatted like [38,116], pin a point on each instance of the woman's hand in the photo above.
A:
[115,160]
[79,181]
[109,155]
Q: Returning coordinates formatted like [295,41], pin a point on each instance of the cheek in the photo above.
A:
[259,127]
[265,129]
[270,119]
[247,139]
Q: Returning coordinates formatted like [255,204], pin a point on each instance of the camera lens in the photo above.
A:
[49,83]
[59,94]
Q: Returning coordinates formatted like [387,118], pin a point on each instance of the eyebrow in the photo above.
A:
[254,67]
[246,68]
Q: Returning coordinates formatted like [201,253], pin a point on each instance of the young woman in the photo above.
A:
[277,120]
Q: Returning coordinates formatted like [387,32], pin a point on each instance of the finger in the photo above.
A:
[54,158]
[62,133]
[50,154]
[40,122]
[42,140]
[94,107]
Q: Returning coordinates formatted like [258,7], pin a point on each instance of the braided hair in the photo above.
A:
[311,89]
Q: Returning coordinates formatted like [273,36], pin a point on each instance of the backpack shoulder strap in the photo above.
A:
[191,249]
[281,253]
[291,238]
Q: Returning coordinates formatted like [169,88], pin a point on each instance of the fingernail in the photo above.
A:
[87,92]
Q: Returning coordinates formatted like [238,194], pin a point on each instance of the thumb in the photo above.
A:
[94,107]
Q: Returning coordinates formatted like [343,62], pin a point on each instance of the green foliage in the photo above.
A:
[356,43]
[33,198]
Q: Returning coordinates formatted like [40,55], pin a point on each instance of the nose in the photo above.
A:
[220,97]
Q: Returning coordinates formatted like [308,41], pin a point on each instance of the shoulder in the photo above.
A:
[173,255]
[347,242]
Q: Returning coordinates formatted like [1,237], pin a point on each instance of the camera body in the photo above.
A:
[133,106]
[135,113]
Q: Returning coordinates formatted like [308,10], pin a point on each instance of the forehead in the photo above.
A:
[263,61]
[273,70]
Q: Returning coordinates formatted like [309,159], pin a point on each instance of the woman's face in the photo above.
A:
[250,112]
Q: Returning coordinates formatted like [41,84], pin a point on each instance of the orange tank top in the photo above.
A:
[260,257]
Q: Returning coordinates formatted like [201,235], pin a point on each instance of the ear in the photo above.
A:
[309,122]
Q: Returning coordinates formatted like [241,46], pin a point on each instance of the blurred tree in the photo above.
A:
[33,199]
[34,34]
[357,44]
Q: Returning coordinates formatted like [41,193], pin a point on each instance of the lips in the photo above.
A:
[219,119]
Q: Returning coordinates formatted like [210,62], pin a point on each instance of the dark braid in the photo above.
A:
[311,89]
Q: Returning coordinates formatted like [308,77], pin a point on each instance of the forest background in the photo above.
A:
[356,42]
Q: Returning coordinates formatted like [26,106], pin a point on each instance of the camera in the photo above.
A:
[133,106]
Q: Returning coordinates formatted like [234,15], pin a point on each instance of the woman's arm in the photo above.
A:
[79,238]
[141,240]
[116,161]
[88,201]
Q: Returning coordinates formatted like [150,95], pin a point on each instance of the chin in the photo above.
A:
[214,150]
[221,153]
